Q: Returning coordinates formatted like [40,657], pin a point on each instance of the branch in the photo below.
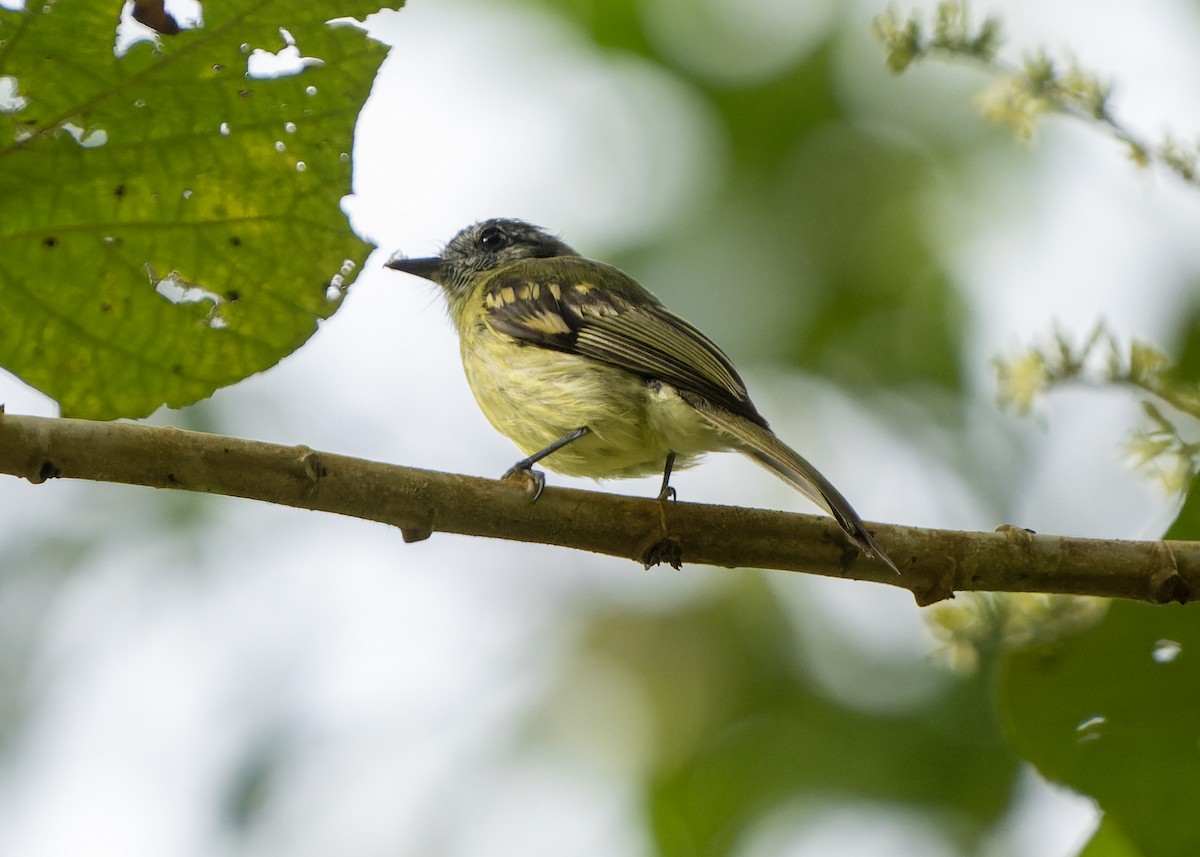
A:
[935,563]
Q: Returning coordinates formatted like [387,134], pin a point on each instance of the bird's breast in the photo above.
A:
[535,396]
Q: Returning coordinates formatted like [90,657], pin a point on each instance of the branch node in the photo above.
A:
[1021,535]
[1166,584]
[931,594]
[415,534]
[47,470]
[314,467]
[418,526]
[937,585]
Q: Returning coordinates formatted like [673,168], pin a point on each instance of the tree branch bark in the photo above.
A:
[934,563]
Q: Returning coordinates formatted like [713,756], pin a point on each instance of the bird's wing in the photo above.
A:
[557,304]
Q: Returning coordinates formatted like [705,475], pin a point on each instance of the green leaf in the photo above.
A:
[1112,713]
[190,240]
[1109,841]
[1186,526]
[1187,339]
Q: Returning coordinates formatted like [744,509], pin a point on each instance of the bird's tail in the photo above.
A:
[761,444]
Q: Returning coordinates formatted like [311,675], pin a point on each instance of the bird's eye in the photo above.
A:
[493,239]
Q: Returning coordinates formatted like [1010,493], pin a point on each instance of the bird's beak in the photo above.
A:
[430,268]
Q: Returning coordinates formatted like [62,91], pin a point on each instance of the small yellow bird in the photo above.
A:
[583,368]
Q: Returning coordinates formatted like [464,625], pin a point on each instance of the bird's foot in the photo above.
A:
[535,480]
[664,550]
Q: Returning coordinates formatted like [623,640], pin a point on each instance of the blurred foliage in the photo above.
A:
[739,728]
[973,624]
[906,40]
[1112,712]
[1024,92]
[822,216]
[1186,526]
[48,557]
[1185,370]
[1108,841]
[155,202]
[1167,445]
[1187,360]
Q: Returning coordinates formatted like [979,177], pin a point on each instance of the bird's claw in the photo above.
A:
[535,479]
[666,550]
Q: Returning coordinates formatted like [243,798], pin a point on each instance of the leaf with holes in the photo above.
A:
[169,223]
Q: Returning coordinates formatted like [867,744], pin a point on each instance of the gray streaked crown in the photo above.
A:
[494,243]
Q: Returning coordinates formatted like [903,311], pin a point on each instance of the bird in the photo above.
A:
[591,375]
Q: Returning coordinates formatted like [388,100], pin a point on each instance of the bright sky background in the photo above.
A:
[405,672]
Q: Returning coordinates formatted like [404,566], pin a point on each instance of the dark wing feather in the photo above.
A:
[555,303]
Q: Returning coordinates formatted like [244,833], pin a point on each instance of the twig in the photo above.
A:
[1025,92]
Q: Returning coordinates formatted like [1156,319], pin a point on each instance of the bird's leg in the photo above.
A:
[667,492]
[666,549]
[525,465]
